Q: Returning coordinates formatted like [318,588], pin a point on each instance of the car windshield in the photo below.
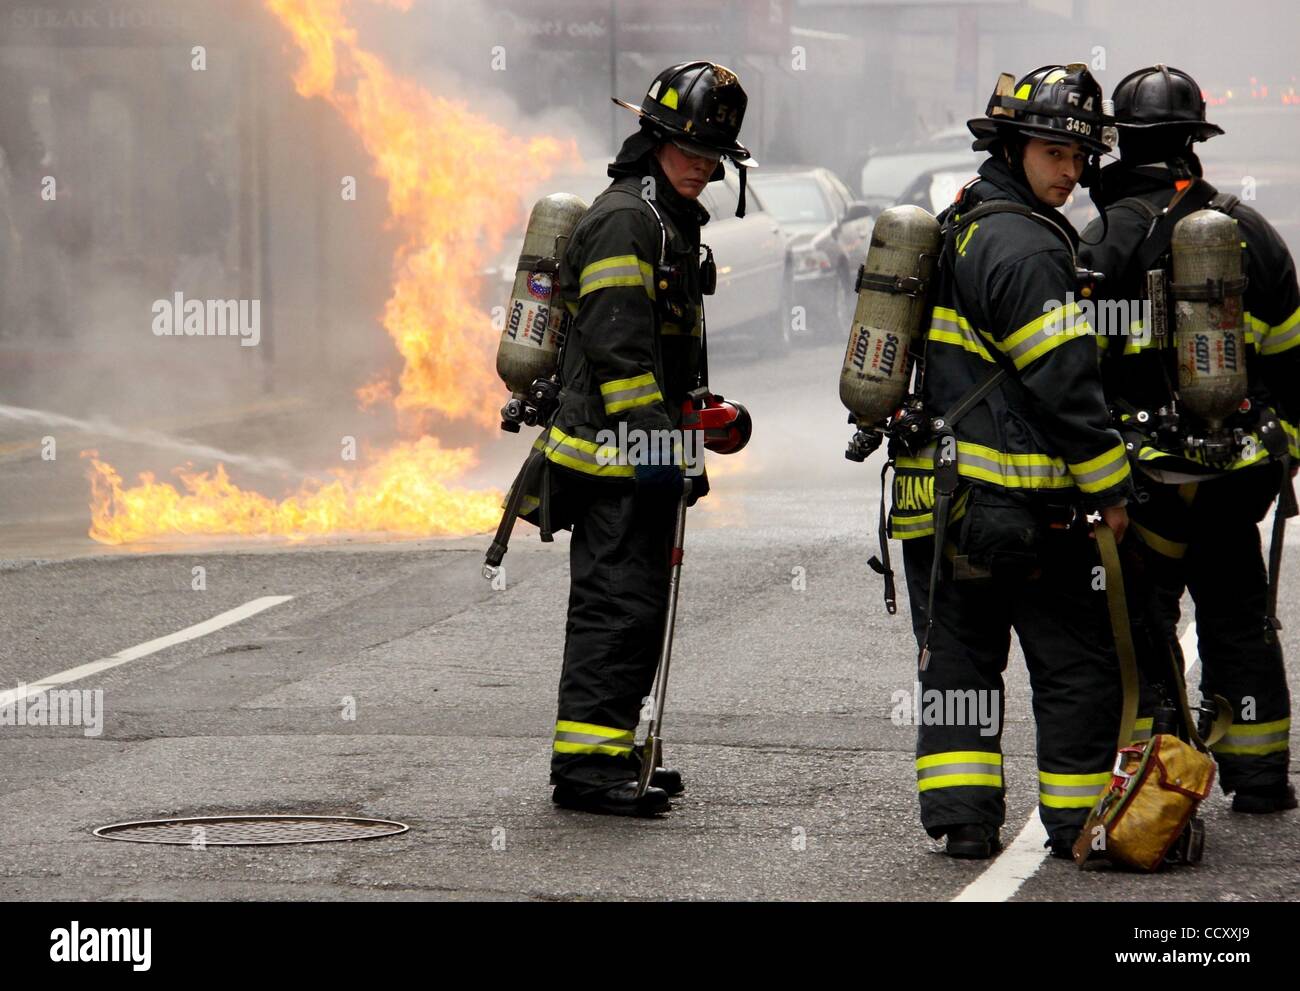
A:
[794,199]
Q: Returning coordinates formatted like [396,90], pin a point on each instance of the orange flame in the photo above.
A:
[446,169]
[398,493]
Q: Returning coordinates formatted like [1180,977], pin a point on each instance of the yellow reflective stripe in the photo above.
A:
[1054,317]
[1042,334]
[970,233]
[960,781]
[947,326]
[594,729]
[618,385]
[958,757]
[958,769]
[1142,727]
[583,455]
[1071,791]
[1103,471]
[1138,338]
[589,738]
[1293,436]
[1094,779]
[528,504]
[634,401]
[1256,329]
[1256,739]
[1283,337]
[1168,548]
[617,270]
[1012,471]
[621,394]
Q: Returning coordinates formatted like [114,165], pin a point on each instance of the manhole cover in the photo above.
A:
[250,830]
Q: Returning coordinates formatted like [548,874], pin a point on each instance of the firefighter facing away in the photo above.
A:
[1033,455]
[1195,519]
[631,275]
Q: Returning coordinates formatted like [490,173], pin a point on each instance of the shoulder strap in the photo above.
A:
[989,207]
[1195,197]
[1138,205]
[1224,203]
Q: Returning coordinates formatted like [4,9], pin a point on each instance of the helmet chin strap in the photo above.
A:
[1092,172]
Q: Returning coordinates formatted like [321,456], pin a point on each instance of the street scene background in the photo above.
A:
[363,170]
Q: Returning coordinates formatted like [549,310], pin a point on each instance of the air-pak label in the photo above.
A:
[877,354]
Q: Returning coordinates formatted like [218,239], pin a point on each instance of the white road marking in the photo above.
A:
[1018,862]
[226,618]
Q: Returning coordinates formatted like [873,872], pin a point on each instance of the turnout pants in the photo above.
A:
[1064,630]
[1204,537]
[619,562]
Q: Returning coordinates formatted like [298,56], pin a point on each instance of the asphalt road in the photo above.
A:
[799,784]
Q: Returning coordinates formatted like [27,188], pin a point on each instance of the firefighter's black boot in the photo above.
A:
[619,800]
[1062,843]
[1279,798]
[670,781]
[971,841]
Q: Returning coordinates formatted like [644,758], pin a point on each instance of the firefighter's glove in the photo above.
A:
[659,481]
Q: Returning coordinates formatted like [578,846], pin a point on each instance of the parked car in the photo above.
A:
[828,232]
[886,176]
[755,283]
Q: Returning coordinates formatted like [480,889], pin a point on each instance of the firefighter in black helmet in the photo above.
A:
[1026,460]
[1196,523]
[631,275]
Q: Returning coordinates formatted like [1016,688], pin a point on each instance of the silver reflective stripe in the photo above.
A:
[942,769]
[609,273]
[1097,474]
[1273,344]
[998,468]
[1069,791]
[565,736]
[635,393]
[952,326]
[902,525]
[1032,341]
[554,444]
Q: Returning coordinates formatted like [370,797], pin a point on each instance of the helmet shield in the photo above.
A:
[700,102]
[1055,101]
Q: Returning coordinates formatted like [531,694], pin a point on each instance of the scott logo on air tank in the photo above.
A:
[1201,346]
[888,355]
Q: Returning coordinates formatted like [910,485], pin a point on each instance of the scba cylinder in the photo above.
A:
[891,306]
[536,319]
[1209,330]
